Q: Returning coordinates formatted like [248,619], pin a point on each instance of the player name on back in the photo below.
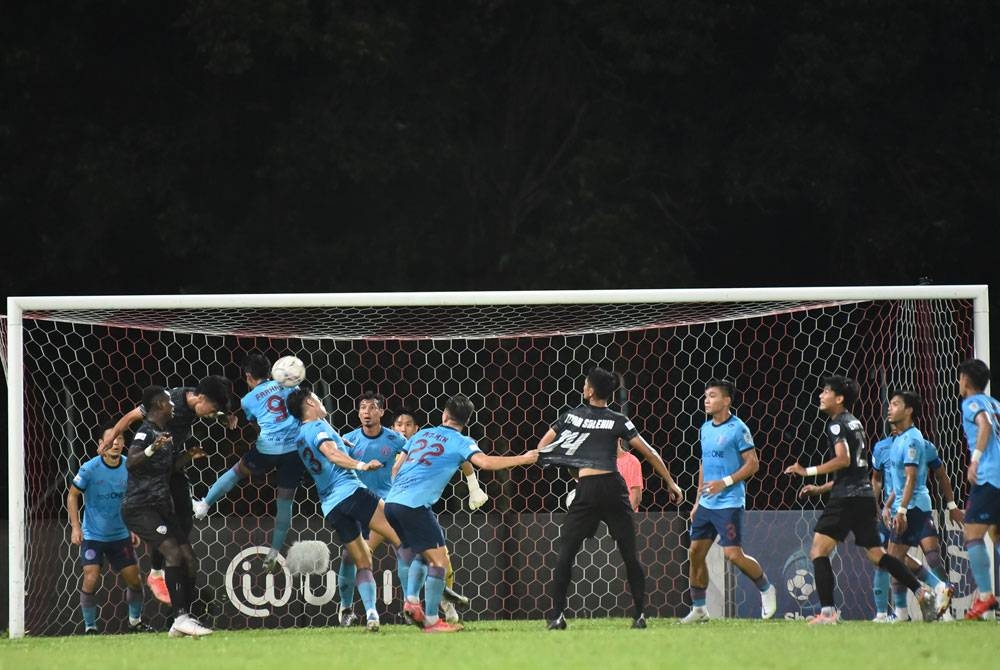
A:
[591,424]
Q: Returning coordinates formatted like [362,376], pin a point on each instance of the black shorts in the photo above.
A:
[153,524]
[600,498]
[850,515]
[288,467]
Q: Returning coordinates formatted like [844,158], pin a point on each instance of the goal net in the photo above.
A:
[75,364]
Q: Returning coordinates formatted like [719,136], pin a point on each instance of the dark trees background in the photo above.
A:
[255,146]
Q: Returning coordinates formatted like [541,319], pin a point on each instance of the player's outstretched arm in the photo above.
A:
[139,453]
[653,458]
[339,458]
[73,511]
[840,461]
[484,462]
[119,428]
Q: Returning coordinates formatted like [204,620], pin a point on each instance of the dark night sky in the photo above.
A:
[217,147]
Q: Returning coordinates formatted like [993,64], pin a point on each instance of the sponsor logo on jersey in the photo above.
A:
[835,428]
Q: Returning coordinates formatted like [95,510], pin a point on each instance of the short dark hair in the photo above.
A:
[460,409]
[295,400]
[727,386]
[154,396]
[406,411]
[378,398]
[604,382]
[911,399]
[977,371]
[843,386]
[257,366]
[217,389]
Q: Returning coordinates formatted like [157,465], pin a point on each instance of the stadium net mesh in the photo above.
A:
[521,365]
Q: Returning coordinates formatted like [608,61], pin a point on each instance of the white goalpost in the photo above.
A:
[74,362]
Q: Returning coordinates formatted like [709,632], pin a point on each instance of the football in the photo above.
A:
[288,371]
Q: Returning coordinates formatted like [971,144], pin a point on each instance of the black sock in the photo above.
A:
[898,569]
[156,560]
[823,572]
[176,578]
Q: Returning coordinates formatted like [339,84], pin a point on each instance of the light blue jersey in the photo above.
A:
[265,404]
[333,483]
[722,446]
[880,461]
[988,471]
[909,449]
[383,448]
[103,487]
[432,456]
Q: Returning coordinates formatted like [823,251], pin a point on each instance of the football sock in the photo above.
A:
[434,587]
[156,562]
[934,563]
[927,576]
[898,597]
[282,522]
[177,586]
[880,589]
[698,596]
[403,559]
[418,573]
[761,583]
[979,564]
[88,605]
[134,599]
[347,576]
[366,588]
[824,580]
[223,485]
[898,569]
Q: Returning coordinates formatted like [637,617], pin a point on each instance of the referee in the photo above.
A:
[586,438]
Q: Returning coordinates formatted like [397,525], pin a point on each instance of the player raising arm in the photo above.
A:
[432,456]
[586,438]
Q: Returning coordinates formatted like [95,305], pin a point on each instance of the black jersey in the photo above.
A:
[179,428]
[587,437]
[854,480]
[148,482]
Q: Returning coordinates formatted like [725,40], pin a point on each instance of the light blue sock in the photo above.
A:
[366,587]
[88,605]
[433,589]
[880,589]
[347,576]
[762,583]
[979,565]
[222,486]
[282,523]
[418,573]
[898,597]
[403,559]
[927,576]
[134,599]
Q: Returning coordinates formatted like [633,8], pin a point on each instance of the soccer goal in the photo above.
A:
[75,363]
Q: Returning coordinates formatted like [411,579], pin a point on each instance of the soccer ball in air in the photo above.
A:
[800,585]
[288,371]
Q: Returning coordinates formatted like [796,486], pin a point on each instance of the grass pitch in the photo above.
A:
[608,644]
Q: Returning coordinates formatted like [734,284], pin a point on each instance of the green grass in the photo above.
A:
[608,644]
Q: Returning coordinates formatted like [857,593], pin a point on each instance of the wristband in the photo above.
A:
[149,451]
[951,505]
[812,471]
[901,512]
[727,480]
[976,455]
[359,466]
